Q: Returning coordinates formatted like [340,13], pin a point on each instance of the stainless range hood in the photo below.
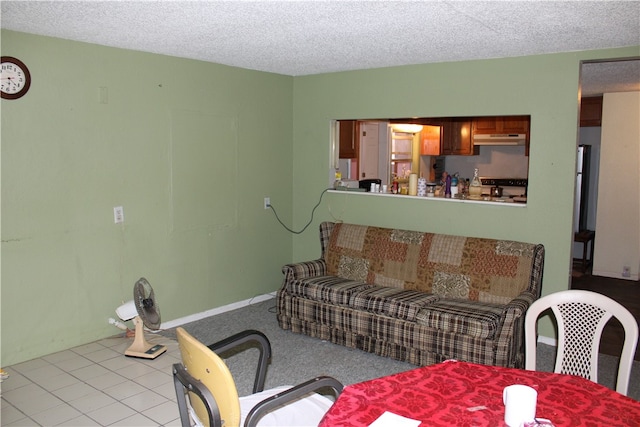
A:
[500,139]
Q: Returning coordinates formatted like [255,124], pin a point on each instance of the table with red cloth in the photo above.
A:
[465,394]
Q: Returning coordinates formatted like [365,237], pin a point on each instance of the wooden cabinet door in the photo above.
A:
[348,139]
[430,140]
[513,124]
[591,111]
[501,124]
[485,125]
[457,139]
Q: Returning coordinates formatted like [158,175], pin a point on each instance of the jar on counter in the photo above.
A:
[475,187]
[431,189]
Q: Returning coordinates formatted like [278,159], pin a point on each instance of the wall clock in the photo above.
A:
[15,78]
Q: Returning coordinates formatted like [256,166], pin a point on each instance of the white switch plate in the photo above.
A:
[118,215]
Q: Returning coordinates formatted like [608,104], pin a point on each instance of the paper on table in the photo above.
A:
[389,419]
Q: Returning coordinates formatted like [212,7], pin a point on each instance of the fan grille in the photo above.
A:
[146,304]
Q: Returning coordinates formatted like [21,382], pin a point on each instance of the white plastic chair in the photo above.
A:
[581,316]
[207,394]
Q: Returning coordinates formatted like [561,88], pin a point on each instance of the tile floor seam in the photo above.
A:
[97,372]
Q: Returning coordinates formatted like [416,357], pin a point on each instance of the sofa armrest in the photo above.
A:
[510,336]
[302,270]
[520,304]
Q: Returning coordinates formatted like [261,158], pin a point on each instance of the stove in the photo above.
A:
[512,188]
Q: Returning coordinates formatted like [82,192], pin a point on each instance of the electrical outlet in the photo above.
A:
[626,271]
[118,215]
[267,202]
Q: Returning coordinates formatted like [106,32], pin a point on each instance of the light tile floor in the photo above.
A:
[93,385]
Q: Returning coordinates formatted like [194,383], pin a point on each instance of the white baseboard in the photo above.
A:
[548,341]
[218,310]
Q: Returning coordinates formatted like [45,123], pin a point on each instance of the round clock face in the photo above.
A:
[14,78]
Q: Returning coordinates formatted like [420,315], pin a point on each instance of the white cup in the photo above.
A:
[519,404]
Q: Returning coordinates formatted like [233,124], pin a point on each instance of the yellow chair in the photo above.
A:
[213,399]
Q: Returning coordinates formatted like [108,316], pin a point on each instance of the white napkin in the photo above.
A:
[389,419]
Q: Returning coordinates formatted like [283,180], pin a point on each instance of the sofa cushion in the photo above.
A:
[471,268]
[331,289]
[392,302]
[479,320]
[378,256]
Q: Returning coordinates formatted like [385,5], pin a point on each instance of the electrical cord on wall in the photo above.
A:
[310,221]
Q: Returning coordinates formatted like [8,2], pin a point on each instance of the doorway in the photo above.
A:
[598,78]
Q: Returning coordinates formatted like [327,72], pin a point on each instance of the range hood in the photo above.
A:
[500,139]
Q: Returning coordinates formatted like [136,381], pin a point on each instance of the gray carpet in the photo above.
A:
[297,358]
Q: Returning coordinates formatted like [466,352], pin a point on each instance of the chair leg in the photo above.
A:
[181,396]
[183,382]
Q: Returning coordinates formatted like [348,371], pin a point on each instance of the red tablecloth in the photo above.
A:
[465,394]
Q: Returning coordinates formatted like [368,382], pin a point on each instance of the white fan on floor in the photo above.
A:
[144,311]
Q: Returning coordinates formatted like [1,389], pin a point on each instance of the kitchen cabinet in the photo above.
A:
[457,138]
[591,111]
[501,124]
[447,137]
[348,139]
[430,140]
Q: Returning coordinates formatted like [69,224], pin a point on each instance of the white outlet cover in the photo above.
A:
[118,215]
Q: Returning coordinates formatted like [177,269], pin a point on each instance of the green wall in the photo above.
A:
[188,148]
[545,87]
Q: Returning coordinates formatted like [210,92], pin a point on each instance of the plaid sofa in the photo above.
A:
[414,296]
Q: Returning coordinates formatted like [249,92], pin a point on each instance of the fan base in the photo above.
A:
[151,353]
[140,347]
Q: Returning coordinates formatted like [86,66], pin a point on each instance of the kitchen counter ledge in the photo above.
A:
[432,199]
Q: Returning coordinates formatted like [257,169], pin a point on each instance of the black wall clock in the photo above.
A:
[15,78]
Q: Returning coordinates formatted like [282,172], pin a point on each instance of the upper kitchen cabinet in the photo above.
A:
[591,111]
[501,124]
[348,139]
[457,138]
[447,137]
[504,130]
[430,142]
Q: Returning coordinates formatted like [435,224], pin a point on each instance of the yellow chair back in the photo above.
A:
[207,367]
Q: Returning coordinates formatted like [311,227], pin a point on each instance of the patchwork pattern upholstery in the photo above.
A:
[415,296]
[476,269]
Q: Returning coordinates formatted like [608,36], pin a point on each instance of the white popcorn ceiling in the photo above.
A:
[310,37]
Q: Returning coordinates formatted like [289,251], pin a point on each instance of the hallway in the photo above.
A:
[626,292]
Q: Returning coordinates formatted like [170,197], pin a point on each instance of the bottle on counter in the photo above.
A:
[413,184]
[454,185]
[475,187]
[447,187]
[461,188]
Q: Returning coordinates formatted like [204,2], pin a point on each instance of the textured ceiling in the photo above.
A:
[310,37]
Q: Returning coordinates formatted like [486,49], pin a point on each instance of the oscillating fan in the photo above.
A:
[144,311]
